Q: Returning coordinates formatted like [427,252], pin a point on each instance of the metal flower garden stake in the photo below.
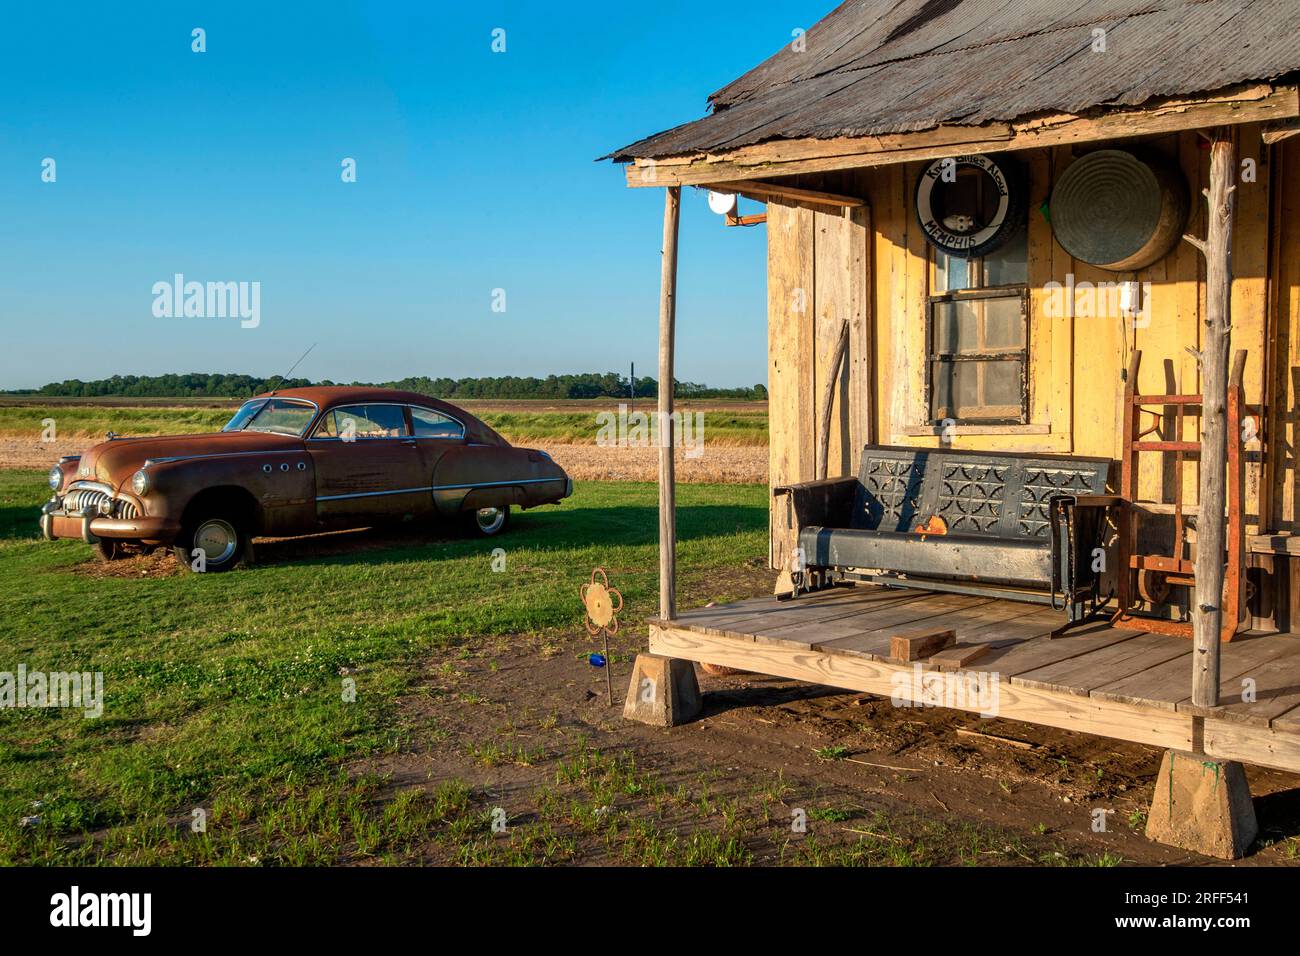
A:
[603,604]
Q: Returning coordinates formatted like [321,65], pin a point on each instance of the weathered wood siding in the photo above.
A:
[817,280]
[872,268]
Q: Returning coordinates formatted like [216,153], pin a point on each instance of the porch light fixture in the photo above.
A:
[722,203]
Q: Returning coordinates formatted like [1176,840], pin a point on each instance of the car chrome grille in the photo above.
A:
[87,499]
[84,500]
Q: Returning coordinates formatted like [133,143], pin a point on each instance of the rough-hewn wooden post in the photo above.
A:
[667,489]
[1207,610]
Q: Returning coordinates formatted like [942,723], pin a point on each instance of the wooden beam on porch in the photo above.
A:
[1283,129]
[667,479]
[753,189]
[1261,103]
[1211,526]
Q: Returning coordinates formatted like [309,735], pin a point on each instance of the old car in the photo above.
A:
[293,462]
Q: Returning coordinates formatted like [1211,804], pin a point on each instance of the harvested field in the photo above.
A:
[733,446]
[721,464]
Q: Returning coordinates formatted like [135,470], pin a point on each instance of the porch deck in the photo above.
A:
[1095,679]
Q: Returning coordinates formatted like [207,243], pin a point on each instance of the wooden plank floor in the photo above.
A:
[1124,675]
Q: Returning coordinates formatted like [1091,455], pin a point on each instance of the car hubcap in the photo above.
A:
[490,520]
[217,540]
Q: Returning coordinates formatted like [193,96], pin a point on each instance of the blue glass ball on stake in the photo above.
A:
[596,660]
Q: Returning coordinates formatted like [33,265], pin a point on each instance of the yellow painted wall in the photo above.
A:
[877,266]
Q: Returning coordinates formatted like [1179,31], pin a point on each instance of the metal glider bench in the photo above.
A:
[1017,526]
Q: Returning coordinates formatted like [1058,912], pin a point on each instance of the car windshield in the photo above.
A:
[280,416]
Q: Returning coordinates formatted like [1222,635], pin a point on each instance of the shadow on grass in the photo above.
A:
[615,527]
[17,523]
[623,526]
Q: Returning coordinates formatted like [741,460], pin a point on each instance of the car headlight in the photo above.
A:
[140,482]
[56,477]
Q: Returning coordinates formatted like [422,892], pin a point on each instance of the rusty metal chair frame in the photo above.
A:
[1174,568]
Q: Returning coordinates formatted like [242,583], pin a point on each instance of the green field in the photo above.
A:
[223,691]
[570,422]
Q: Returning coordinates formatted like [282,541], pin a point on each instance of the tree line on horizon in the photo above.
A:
[204,385]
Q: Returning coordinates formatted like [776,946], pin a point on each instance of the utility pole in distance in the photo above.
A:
[632,385]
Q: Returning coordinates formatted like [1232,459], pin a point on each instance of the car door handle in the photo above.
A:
[409,441]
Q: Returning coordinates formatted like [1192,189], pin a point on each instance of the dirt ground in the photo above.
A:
[505,720]
[715,463]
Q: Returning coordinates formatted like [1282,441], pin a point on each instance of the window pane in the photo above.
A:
[430,424]
[1004,324]
[973,391]
[951,273]
[940,391]
[956,327]
[955,386]
[282,417]
[970,326]
[1002,385]
[1009,265]
[371,421]
[327,427]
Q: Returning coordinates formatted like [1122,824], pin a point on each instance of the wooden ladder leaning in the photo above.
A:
[1148,576]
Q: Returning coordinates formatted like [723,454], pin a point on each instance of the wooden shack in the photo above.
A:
[939,279]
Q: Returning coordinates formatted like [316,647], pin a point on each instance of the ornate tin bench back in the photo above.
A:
[975,493]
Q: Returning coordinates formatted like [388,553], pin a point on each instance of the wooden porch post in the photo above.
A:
[1207,611]
[667,489]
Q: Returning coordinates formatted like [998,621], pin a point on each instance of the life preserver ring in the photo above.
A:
[970,233]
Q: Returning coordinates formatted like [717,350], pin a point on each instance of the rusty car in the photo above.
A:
[294,462]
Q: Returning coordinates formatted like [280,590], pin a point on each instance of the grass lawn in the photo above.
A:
[226,691]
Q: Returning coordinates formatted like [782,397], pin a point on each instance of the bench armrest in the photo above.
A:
[827,503]
[1097,501]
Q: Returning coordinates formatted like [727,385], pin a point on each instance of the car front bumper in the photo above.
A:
[90,525]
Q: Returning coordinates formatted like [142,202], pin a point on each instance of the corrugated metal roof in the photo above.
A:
[872,67]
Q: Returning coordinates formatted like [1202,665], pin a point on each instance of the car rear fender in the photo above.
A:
[491,476]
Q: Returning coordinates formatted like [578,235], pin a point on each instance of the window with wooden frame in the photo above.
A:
[977,337]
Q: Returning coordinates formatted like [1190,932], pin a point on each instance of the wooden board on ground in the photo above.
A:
[957,656]
[913,645]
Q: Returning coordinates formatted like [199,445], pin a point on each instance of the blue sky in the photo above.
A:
[474,172]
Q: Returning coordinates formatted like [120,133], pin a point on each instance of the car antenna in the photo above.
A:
[285,376]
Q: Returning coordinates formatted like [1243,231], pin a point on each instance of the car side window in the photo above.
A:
[430,424]
[362,422]
[327,427]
